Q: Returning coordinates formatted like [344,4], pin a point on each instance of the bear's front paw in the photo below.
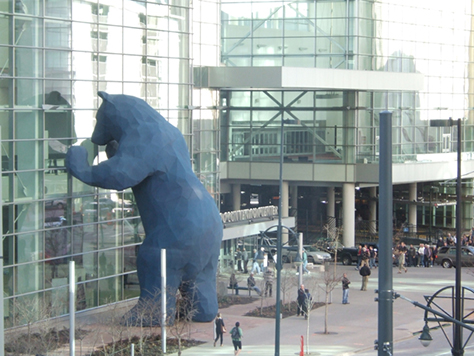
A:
[111,148]
[76,159]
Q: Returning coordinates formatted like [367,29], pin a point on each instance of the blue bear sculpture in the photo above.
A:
[150,155]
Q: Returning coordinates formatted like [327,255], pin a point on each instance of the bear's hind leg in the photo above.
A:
[202,294]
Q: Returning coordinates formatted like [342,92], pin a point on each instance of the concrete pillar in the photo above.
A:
[348,211]
[285,207]
[331,206]
[373,210]
[412,206]
[236,203]
[467,221]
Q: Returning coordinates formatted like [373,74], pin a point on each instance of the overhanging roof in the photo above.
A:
[288,78]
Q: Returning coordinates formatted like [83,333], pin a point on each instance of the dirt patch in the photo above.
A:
[41,343]
[151,346]
[286,310]
[229,300]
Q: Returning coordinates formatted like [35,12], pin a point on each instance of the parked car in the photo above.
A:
[446,256]
[314,255]
[348,255]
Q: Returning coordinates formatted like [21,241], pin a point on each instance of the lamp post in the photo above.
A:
[457,348]
[279,240]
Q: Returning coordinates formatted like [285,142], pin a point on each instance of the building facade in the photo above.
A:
[226,74]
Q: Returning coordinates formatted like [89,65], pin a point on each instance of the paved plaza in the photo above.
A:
[352,327]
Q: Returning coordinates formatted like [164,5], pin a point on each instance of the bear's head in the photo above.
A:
[119,114]
[104,127]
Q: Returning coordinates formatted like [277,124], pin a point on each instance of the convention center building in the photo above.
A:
[254,86]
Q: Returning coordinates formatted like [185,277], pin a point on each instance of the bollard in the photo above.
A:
[132,350]
[302,346]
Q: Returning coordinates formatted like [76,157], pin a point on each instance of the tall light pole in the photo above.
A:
[457,348]
[384,343]
[279,240]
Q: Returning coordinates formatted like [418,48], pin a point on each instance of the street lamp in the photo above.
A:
[457,348]
[279,240]
[425,337]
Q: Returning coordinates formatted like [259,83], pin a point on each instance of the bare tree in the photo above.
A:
[288,284]
[41,336]
[311,285]
[186,308]
[330,281]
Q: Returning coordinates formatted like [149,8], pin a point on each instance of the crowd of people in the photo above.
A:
[404,256]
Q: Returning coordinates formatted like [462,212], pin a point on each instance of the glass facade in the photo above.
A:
[54,57]
[342,127]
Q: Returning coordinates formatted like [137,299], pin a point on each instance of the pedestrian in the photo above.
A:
[255,266]
[245,260]
[251,284]
[411,256]
[428,253]
[402,250]
[365,256]
[421,254]
[219,328]
[300,300]
[359,257]
[365,273]
[268,276]
[236,333]
[238,256]
[345,289]
[233,284]
[373,255]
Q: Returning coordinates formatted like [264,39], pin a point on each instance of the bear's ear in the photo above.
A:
[103,95]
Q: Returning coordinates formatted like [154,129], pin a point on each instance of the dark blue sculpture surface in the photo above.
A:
[150,155]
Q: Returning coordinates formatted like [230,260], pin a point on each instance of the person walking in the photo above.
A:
[345,289]
[238,256]
[236,334]
[219,328]
[365,273]
[255,265]
[300,300]
[402,250]
[245,260]
[234,284]
[268,276]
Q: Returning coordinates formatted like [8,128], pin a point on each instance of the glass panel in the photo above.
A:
[57,64]
[133,41]
[29,62]
[58,8]
[27,93]
[134,15]
[35,279]
[4,37]
[110,290]
[90,265]
[131,285]
[134,69]
[30,247]
[110,262]
[84,38]
[133,231]
[58,34]
[28,31]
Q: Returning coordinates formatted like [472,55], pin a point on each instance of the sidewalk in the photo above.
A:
[352,328]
